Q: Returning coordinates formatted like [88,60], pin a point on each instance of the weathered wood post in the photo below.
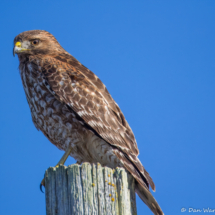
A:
[89,189]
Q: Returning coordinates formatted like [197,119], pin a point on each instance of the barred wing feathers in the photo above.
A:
[79,88]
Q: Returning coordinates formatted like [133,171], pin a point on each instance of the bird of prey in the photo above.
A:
[75,111]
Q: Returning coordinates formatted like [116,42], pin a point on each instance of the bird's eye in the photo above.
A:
[35,42]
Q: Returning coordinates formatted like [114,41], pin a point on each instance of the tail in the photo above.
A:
[142,178]
[148,199]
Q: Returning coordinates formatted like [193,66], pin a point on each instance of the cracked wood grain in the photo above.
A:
[89,189]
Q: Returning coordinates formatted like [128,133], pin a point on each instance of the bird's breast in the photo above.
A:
[60,124]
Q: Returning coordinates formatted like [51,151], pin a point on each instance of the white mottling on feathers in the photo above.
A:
[69,125]
[64,133]
[39,122]
[68,141]
[42,103]
[81,122]
[66,113]
[49,111]
[61,83]
[61,126]
[92,123]
[57,104]
[49,98]
[56,117]
[90,112]
[36,98]
[77,103]
[83,112]
[75,120]
[30,67]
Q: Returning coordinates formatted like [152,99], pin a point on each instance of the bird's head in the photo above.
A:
[35,42]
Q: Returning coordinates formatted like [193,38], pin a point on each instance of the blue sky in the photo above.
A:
[156,59]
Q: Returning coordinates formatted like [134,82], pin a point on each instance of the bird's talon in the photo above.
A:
[42,184]
[41,188]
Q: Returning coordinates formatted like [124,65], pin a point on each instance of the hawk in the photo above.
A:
[75,111]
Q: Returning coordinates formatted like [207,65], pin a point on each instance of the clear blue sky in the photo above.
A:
[157,59]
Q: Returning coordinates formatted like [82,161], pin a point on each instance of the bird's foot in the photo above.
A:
[61,161]
[42,184]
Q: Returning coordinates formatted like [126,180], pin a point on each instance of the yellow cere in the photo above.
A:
[18,44]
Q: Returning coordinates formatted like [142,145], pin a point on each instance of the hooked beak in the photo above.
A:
[18,48]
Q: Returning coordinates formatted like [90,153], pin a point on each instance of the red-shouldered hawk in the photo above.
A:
[74,110]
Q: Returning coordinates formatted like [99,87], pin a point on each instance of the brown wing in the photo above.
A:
[81,90]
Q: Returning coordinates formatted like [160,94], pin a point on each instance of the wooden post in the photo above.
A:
[89,189]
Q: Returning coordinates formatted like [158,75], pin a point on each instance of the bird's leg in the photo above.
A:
[64,157]
[61,161]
